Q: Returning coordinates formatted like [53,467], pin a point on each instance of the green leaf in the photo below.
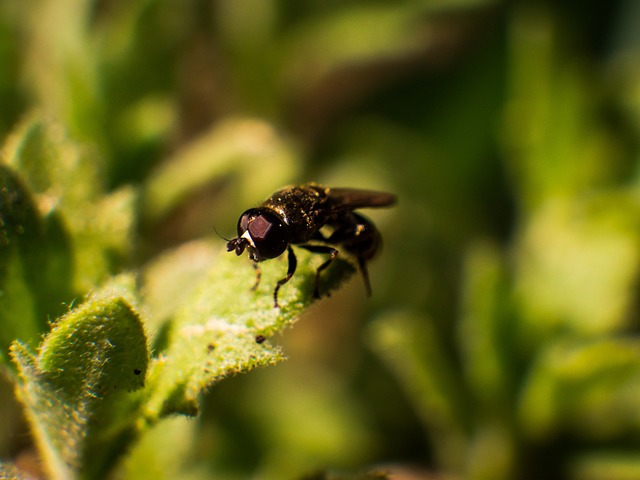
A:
[34,263]
[484,339]
[64,79]
[103,237]
[249,148]
[62,170]
[336,426]
[67,179]
[224,327]
[577,265]
[605,465]
[20,233]
[183,267]
[162,452]
[558,142]
[589,387]
[484,327]
[60,234]
[94,352]
[410,345]
[354,35]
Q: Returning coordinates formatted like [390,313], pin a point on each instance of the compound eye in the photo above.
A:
[269,234]
[243,222]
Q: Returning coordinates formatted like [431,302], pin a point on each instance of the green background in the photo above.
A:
[501,339]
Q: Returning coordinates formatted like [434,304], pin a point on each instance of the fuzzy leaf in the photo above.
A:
[103,237]
[224,326]
[67,179]
[34,263]
[10,472]
[64,172]
[93,352]
[183,267]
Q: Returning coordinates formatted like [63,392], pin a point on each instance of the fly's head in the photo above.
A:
[261,232]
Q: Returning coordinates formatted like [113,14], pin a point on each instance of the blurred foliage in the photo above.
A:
[77,381]
[501,341]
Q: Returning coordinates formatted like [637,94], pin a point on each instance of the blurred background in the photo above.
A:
[501,341]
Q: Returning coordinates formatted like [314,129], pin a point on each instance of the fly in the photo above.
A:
[294,216]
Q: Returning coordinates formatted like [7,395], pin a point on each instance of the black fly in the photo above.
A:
[295,215]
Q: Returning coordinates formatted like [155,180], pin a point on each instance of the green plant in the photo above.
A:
[82,384]
[501,338]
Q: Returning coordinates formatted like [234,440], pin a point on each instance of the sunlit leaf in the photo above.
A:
[95,351]
[224,327]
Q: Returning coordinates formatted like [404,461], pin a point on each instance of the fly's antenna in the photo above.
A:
[217,233]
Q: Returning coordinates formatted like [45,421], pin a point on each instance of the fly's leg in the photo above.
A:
[362,263]
[358,236]
[293,263]
[333,254]
[258,270]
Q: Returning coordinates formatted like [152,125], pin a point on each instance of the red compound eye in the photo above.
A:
[268,232]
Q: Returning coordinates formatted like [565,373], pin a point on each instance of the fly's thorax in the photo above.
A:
[302,208]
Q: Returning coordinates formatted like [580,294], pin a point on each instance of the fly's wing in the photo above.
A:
[347,199]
